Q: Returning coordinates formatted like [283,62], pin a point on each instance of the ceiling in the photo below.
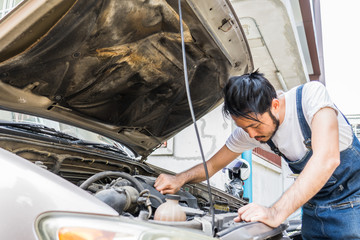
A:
[276,39]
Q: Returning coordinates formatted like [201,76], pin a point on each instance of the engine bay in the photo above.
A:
[135,196]
[128,187]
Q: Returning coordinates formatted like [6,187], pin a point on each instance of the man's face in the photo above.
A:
[261,130]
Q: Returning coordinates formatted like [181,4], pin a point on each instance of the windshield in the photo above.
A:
[76,132]
[7,5]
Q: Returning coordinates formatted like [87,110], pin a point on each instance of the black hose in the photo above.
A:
[102,175]
[146,192]
[212,210]
[156,198]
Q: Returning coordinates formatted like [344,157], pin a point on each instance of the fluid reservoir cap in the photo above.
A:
[172,196]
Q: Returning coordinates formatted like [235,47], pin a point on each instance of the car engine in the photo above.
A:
[135,196]
[128,185]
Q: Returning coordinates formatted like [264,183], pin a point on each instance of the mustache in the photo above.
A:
[259,136]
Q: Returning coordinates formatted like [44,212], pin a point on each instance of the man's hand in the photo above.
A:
[253,212]
[168,184]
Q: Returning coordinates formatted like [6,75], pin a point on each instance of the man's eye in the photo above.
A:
[257,125]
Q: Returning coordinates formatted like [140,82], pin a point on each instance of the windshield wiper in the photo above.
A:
[102,146]
[44,130]
[38,128]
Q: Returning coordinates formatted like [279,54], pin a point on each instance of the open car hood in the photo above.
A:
[115,67]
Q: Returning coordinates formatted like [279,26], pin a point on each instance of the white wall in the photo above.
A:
[269,181]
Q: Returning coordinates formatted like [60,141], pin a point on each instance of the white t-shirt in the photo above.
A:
[288,137]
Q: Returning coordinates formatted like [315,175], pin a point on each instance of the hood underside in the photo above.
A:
[115,67]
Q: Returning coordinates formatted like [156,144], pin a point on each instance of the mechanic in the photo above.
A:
[304,127]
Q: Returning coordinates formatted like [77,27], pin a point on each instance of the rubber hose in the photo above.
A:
[101,175]
[156,198]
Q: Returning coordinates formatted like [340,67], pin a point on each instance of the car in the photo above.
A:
[88,90]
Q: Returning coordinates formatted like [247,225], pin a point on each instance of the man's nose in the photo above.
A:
[252,133]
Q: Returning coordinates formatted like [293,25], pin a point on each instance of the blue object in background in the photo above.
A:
[247,155]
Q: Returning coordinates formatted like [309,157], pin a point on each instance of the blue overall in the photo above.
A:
[334,212]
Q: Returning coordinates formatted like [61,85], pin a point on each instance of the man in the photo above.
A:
[306,129]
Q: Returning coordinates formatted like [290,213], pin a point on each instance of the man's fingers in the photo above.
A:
[257,213]
[237,219]
[250,213]
[245,208]
[158,180]
[166,191]
[246,216]
[161,187]
[251,217]
[161,182]
[166,184]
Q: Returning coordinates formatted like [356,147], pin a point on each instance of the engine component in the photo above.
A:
[102,175]
[120,198]
[170,210]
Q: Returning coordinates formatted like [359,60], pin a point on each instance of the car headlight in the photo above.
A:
[70,226]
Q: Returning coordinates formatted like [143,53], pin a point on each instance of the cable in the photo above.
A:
[193,118]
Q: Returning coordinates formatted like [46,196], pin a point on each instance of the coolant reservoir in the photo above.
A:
[170,210]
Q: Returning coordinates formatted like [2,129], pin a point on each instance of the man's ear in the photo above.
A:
[275,104]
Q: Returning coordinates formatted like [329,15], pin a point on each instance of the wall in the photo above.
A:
[267,181]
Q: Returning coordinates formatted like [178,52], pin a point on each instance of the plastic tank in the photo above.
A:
[170,210]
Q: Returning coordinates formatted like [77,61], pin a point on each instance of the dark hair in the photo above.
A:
[247,94]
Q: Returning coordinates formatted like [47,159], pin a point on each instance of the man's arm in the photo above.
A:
[171,184]
[322,164]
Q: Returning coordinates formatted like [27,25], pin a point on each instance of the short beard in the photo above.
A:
[276,123]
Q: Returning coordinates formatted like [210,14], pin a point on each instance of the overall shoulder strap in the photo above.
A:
[274,148]
[305,129]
